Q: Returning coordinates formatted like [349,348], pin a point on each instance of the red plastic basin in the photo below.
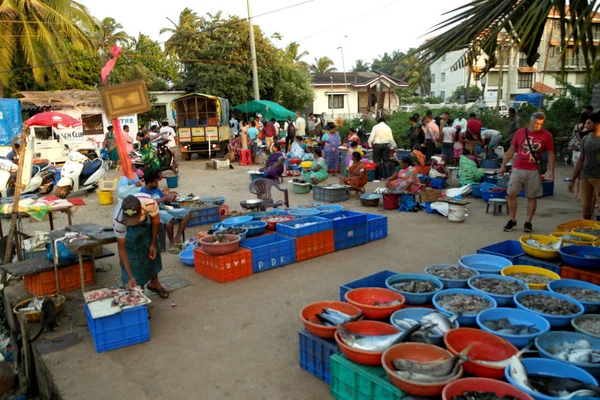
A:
[390,201]
[295,161]
[274,220]
[486,347]
[501,389]
[308,317]
[416,352]
[365,298]
[218,249]
[365,328]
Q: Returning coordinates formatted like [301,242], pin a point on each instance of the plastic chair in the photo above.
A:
[261,187]
[245,157]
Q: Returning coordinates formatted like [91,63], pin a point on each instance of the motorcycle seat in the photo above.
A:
[89,167]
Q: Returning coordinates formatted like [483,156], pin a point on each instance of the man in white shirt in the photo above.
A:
[300,125]
[235,126]
[462,122]
[491,138]
[382,141]
[168,133]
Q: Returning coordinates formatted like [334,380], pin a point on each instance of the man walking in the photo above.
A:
[382,141]
[269,131]
[529,144]
[300,125]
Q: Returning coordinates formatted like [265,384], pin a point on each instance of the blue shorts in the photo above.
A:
[177,214]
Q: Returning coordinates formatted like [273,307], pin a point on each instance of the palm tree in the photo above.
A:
[182,33]
[292,50]
[322,65]
[108,34]
[414,71]
[476,26]
[37,34]
[360,66]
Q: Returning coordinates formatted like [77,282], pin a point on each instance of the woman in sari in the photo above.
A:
[332,151]
[357,174]
[318,170]
[405,179]
[274,165]
[353,137]
[468,171]
[110,144]
[297,150]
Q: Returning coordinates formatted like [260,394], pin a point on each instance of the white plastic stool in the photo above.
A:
[497,203]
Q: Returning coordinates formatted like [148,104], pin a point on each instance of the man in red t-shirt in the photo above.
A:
[529,145]
[473,133]
[269,131]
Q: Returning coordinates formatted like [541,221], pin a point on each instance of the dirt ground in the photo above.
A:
[240,339]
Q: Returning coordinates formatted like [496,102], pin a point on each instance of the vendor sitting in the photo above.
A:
[136,223]
[468,170]
[418,159]
[297,151]
[167,216]
[357,174]
[318,170]
[405,180]
[274,165]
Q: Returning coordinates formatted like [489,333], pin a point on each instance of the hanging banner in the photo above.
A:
[11,123]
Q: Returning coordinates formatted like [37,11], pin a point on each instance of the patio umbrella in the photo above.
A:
[51,118]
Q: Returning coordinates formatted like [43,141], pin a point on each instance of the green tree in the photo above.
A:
[183,33]
[322,65]
[388,62]
[414,71]
[108,34]
[216,60]
[360,66]
[562,115]
[293,53]
[474,93]
[38,34]
[476,27]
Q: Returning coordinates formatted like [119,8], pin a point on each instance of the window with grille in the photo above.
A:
[338,101]
[525,80]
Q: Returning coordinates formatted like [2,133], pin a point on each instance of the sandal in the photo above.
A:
[174,250]
[161,292]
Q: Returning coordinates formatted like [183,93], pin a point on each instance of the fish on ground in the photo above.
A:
[375,343]
[426,378]
[549,305]
[416,286]
[437,368]
[503,363]
[332,317]
[578,293]
[531,277]
[438,323]
[498,286]
[504,326]
[455,272]
[550,246]
[466,304]
[580,351]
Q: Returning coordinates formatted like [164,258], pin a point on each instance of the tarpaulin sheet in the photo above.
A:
[11,123]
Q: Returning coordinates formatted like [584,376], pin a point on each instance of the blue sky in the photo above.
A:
[363,29]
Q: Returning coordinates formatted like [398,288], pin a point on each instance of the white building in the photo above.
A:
[361,92]
[163,101]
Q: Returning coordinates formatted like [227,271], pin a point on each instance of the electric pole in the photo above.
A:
[253,54]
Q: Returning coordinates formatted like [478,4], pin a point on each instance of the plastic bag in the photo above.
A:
[64,255]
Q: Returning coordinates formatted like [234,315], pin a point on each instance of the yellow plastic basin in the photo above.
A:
[306,164]
[542,254]
[527,269]
[590,238]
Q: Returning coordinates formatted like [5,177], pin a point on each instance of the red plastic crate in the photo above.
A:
[580,274]
[45,282]
[314,245]
[225,268]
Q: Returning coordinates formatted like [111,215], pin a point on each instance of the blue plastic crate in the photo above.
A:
[491,179]
[491,164]
[270,251]
[350,236]
[126,328]
[375,280]
[377,226]
[509,249]
[315,353]
[553,266]
[424,179]
[437,183]
[203,216]
[350,218]
[287,228]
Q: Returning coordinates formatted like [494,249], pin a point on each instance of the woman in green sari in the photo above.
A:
[110,144]
[318,171]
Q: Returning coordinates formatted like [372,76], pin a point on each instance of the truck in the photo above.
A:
[202,124]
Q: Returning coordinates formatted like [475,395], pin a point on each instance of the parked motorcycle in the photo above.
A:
[164,154]
[42,178]
[80,173]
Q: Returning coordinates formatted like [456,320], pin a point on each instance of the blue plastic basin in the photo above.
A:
[187,256]
[516,317]
[545,366]
[556,321]
[590,307]
[449,283]
[304,212]
[484,263]
[236,220]
[254,228]
[258,215]
[417,313]
[544,342]
[414,298]
[501,299]
[465,319]
[216,200]
[573,256]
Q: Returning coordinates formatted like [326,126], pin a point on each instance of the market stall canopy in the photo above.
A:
[52,118]
[268,109]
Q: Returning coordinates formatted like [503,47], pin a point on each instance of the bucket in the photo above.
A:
[105,197]
[456,213]
[390,201]
[172,181]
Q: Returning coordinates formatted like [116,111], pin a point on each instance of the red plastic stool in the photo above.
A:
[245,157]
